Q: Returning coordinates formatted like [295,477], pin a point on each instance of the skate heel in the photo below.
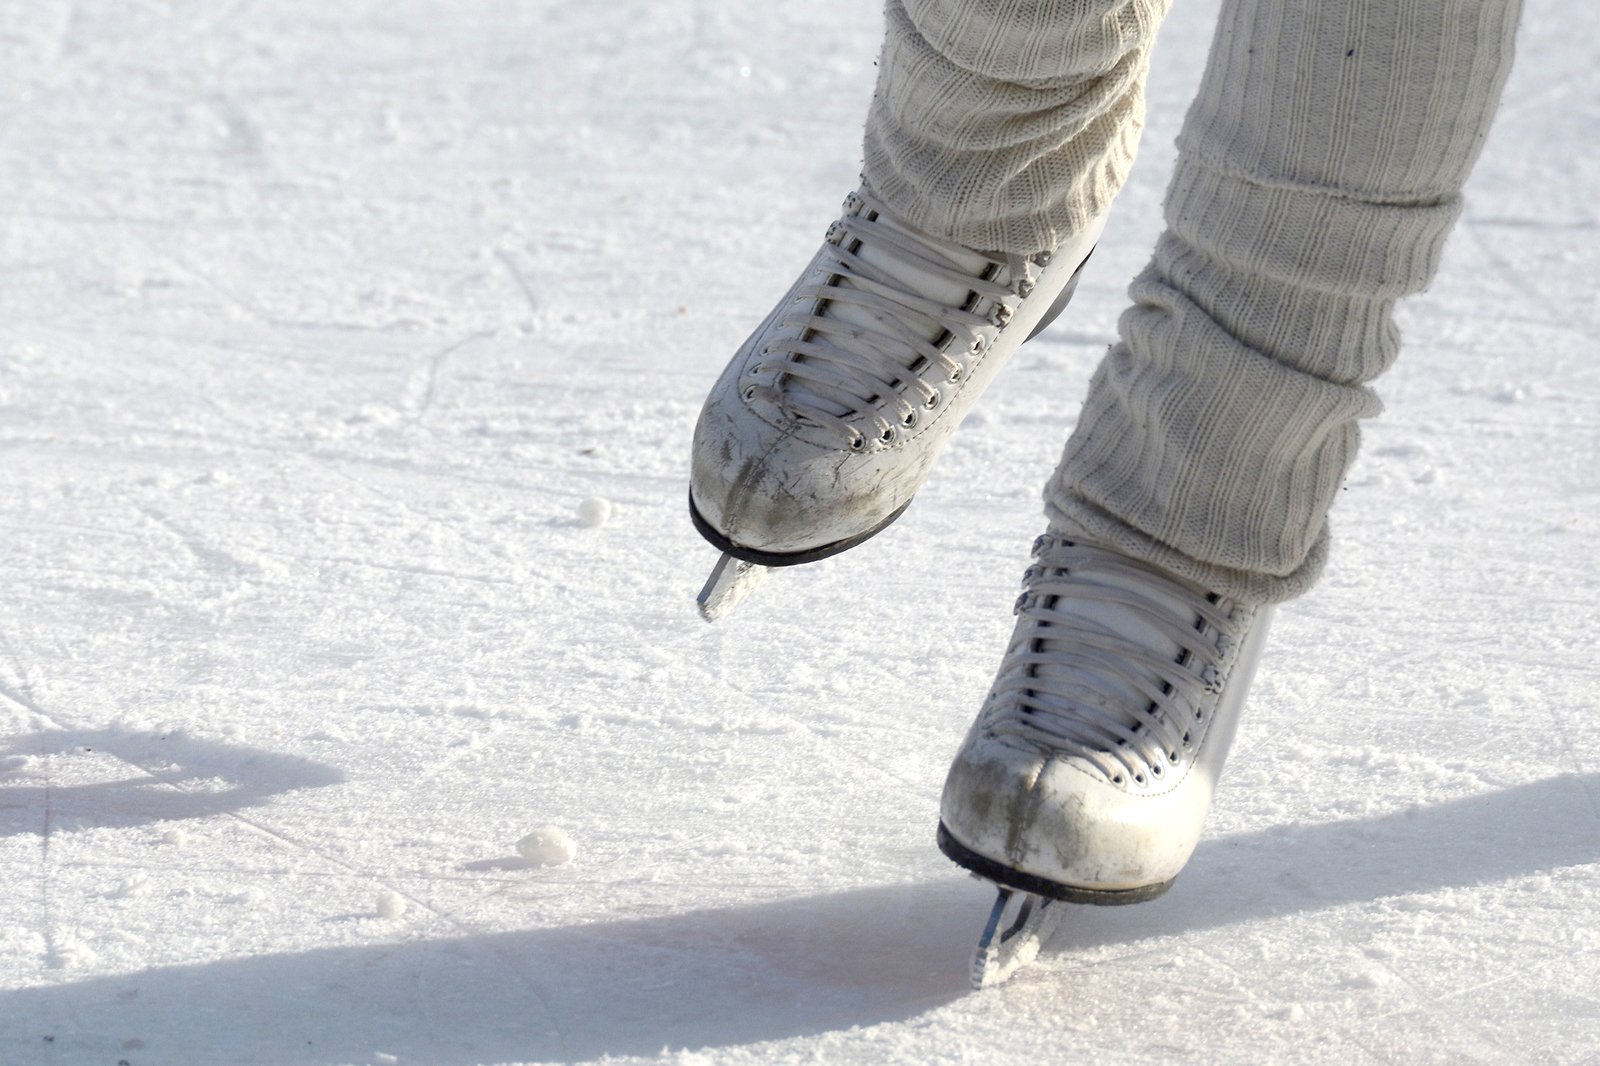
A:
[1060,305]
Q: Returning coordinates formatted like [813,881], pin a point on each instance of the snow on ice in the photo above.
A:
[391,904]
[547,846]
[594,511]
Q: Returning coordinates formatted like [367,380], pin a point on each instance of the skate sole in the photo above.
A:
[765,558]
[1006,877]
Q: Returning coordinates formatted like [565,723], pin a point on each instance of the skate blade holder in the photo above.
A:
[730,582]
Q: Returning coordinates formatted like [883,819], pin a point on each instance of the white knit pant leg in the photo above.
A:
[1320,171]
[1006,125]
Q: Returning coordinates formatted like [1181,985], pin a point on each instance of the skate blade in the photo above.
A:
[730,582]
[1018,927]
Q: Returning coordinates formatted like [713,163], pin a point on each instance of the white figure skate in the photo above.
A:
[828,419]
[1088,773]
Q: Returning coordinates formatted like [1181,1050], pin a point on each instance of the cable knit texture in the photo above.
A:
[1319,174]
[1006,125]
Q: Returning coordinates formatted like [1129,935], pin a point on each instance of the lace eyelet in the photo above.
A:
[750,393]
[955,376]
[887,436]
[857,442]
[910,420]
[932,401]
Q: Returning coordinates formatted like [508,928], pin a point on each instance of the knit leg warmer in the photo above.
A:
[1319,173]
[1006,125]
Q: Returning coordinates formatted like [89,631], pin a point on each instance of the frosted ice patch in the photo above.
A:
[594,512]
[548,846]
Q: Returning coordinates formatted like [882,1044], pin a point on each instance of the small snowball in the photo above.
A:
[176,837]
[136,885]
[594,512]
[391,904]
[549,846]
[384,1059]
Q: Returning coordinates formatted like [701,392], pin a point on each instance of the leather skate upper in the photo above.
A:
[1114,664]
[828,419]
[893,318]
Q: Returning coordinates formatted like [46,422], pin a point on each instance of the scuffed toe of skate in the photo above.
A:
[1060,821]
[763,489]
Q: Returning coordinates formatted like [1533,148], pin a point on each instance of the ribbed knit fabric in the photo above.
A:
[1319,173]
[1007,124]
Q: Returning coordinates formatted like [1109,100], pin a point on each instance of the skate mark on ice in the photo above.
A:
[395,568]
[161,794]
[216,560]
[18,689]
[19,692]
[209,27]
[69,36]
[1554,311]
[422,383]
[518,277]
[130,228]
[796,724]
[243,140]
[54,957]
[451,524]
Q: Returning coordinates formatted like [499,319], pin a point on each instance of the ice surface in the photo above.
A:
[317,323]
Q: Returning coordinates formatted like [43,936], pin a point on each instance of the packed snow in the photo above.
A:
[325,332]
[594,511]
[547,846]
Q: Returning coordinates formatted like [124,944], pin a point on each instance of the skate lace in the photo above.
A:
[835,372]
[1075,684]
